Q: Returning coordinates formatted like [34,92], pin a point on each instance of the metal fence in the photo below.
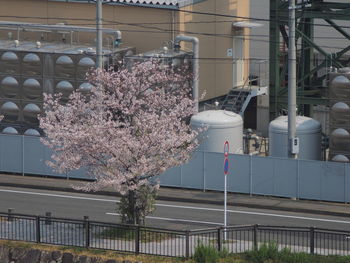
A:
[166,242]
[305,179]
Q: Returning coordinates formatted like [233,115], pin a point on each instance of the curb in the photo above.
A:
[185,200]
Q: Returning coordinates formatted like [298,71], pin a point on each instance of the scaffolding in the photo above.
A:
[312,59]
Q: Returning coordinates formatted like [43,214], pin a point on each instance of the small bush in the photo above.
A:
[209,254]
[264,253]
[205,254]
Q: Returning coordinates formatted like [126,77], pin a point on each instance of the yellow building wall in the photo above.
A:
[151,28]
[215,37]
[144,28]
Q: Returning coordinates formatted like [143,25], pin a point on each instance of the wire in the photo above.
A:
[158,30]
[244,18]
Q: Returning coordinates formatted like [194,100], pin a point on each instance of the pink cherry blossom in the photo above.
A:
[131,127]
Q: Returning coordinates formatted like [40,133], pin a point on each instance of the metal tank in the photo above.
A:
[340,158]
[340,115]
[339,124]
[340,140]
[220,126]
[28,69]
[307,130]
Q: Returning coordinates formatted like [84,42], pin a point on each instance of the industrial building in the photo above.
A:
[239,94]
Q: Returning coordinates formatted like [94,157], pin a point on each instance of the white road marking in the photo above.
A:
[182,207]
[258,213]
[57,195]
[174,219]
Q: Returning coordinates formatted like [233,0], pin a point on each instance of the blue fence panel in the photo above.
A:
[310,179]
[48,169]
[285,181]
[192,172]
[263,176]
[333,182]
[79,174]
[11,153]
[307,179]
[171,177]
[214,171]
[239,177]
[34,155]
[347,182]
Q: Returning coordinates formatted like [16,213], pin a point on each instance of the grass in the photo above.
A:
[103,254]
[269,253]
[265,254]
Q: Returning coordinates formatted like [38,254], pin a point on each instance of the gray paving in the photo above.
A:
[193,196]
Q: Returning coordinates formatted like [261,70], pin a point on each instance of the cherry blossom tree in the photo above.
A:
[130,127]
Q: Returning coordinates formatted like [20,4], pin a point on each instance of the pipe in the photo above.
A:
[64,28]
[195,64]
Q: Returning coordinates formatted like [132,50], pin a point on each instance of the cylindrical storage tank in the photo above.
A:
[339,140]
[340,114]
[307,130]
[31,65]
[340,158]
[64,67]
[339,86]
[220,126]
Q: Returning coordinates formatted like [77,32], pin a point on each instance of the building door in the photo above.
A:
[238,61]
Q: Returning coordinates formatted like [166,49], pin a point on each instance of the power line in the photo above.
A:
[244,18]
[158,30]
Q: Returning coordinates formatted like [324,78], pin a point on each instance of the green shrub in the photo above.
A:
[209,254]
[205,254]
[264,253]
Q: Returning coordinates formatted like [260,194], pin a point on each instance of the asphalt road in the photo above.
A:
[174,215]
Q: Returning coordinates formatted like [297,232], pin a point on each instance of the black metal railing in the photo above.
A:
[165,242]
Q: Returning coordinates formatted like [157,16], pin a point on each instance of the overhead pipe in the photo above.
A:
[195,64]
[58,27]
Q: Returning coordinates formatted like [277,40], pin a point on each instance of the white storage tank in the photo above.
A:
[307,130]
[221,126]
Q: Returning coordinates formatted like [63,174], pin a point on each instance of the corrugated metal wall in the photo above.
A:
[305,179]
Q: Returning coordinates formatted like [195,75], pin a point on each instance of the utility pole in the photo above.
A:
[293,142]
[99,62]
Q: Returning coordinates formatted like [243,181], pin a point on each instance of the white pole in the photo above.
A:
[226,153]
[99,62]
[291,80]
[225,206]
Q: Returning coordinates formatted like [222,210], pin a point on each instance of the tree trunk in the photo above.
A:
[134,218]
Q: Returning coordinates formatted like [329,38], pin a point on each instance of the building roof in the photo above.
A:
[165,3]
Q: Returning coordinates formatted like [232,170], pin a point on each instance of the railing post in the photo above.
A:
[312,240]
[137,240]
[219,239]
[187,244]
[48,218]
[87,231]
[9,216]
[255,237]
[37,224]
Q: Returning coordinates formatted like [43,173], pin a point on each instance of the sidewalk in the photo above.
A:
[193,196]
